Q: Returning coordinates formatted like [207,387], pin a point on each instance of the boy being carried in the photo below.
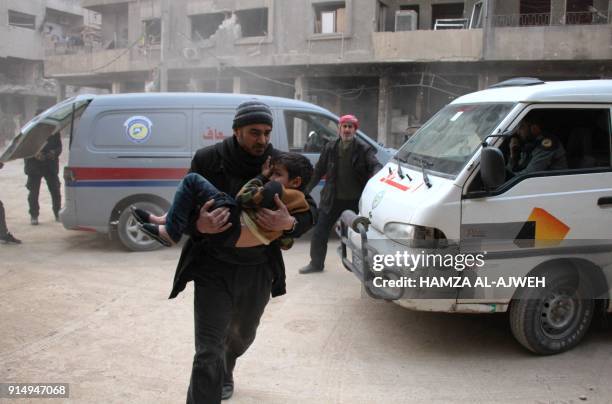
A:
[286,175]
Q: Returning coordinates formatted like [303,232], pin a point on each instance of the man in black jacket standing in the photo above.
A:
[232,285]
[348,163]
[5,236]
[45,164]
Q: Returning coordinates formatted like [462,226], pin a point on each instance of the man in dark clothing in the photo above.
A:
[348,163]
[232,285]
[533,150]
[45,165]
[5,236]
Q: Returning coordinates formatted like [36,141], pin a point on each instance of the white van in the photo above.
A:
[133,149]
[539,244]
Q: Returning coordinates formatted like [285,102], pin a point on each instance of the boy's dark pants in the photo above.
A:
[228,303]
[193,191]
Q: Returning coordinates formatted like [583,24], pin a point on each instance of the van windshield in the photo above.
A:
[449,139]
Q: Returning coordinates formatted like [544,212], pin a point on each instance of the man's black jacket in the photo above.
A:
[364,162]
[49,163]
[212,163]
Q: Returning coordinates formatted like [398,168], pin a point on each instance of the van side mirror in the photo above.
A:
[492,167]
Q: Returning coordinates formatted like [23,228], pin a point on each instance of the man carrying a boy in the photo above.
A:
[232,285]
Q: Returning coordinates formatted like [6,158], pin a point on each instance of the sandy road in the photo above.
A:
[75,308]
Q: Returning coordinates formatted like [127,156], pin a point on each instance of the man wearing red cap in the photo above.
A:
[347,163]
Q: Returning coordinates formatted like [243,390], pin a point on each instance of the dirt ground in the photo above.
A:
[76,308]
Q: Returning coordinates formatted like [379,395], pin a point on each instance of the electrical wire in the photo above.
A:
[118,56]
[344,93]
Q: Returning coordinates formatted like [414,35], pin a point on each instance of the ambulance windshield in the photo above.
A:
[449,139]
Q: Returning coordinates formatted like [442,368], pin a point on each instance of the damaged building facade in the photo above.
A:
[29,29]
[393,63]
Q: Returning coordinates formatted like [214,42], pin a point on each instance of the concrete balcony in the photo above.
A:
[561,42]
[96,4]
[99,62]
[13,39]
[457,45]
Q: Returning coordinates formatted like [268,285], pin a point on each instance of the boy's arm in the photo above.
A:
[246,195]
[304,220]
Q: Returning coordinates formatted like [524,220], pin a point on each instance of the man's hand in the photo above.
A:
[515,148]
[266,168]
[213,222]
[275,220]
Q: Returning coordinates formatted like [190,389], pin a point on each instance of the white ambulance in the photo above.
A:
[537,244]
[133,149]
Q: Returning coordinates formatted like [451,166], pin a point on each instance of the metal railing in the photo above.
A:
[572,18]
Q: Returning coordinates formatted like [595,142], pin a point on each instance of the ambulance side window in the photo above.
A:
[308,132]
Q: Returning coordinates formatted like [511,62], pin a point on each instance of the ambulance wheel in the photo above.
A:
[127,229]
[555,318]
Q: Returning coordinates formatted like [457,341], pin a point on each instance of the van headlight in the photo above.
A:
[414,236]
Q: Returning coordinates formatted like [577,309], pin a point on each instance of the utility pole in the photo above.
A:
[165,45]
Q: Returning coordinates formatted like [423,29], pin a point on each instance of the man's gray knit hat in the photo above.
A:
[252,112]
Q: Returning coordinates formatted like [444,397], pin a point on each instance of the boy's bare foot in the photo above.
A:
[157,219]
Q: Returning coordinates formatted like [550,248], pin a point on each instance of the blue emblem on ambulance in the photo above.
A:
[138,128]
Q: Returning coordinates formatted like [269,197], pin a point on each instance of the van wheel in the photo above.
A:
[555,318]
[127,229]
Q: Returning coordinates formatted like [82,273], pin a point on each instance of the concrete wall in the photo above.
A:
[428,46]
[20,42]
[291,38]
[68,6]
[88,62]
[570,42]
[96,4]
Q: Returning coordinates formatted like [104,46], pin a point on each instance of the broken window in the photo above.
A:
[448,16]
[534,12]
[330,18]
[203,26]
[152,31]
[23,20]
[253,22]
[580,12]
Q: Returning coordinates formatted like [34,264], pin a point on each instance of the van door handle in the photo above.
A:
[606,200]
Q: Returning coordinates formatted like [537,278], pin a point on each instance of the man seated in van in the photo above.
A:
[285,175]
[532,149]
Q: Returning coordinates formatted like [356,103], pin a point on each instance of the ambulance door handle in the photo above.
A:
[604,201]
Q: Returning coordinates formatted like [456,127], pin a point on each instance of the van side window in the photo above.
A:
[549,140]
[308,132]
[558,140]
